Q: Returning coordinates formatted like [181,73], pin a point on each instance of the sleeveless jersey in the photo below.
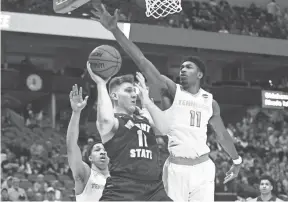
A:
[133,150]
[188,118]
[93,189]
[274,198]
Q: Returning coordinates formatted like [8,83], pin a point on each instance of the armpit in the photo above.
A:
[78,178]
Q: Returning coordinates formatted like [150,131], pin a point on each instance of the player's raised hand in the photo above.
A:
[76,99]
[103,16]
[232,173]
[143,90]
[97,79]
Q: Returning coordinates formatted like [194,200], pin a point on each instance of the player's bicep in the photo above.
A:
[107,129]
[78,167]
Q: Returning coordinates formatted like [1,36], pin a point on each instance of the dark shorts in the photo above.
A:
[124,189]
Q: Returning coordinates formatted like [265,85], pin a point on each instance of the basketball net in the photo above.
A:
[162,8]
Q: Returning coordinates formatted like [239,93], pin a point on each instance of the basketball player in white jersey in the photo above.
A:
[188,173]
[89,181]
[266,187]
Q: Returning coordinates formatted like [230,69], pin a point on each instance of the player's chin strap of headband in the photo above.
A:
[237,161]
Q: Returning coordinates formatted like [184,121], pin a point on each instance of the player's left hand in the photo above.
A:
[103,16]
[232,173]
[76,99]
[143,90]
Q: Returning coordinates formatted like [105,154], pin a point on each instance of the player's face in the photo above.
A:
[98,156]
[127,97]
[189,74]
[265,186]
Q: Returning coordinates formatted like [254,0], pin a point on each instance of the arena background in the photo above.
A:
[244,44]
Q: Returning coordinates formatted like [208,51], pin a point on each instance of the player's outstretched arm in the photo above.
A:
[147,68]
[225,140]
[159,120]
[106,123]
[80,170]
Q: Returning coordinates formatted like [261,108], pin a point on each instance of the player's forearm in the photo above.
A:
[73,131]
[158,116]
[105,112]
[129,47]
[226,141]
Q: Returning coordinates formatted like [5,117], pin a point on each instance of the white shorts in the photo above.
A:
[189,183]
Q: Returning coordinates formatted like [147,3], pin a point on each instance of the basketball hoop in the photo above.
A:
[162,8]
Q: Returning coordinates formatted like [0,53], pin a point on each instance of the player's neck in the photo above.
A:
[266,197]
[122,111]
[193,89]
[104,172]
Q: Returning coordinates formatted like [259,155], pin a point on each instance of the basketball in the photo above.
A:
[105,61]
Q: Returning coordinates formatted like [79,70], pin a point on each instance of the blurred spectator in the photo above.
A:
[4,195]
[40,185]
[272,9]
[50,195]
[7,183]
[15,192]
[223,30]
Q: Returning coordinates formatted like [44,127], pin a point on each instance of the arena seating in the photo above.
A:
[37,156]
[205,15]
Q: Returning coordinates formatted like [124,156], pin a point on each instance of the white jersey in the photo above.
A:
[93,189]
[188,118]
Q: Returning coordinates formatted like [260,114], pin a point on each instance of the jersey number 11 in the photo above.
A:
[195,117]
[142,139]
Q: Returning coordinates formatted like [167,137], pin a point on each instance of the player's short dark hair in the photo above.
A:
[197,61]
[267,177]
[116,81]
[89,151]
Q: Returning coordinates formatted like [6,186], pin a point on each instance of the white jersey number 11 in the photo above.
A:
[195,118]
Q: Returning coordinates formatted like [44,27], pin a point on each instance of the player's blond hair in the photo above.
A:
[117,81]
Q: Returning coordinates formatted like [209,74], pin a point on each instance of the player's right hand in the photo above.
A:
[102,15]
[97,79]
[143,90]
[76,99]
[232,173]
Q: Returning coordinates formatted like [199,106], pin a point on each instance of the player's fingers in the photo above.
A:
[138,77]
[139,87]
[116,13]
[86,98]
[103,8]
[76,89]
[228,178]
[89,69]
[97,5]
[95,19]
[80,92]
[96,14]
[141,78]
[71,95]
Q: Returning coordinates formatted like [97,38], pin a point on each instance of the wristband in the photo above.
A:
[237,161]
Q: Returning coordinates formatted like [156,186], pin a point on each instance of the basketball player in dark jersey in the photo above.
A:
[130,143]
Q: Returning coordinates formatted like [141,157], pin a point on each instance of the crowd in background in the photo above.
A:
[34,158]
[211,15]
